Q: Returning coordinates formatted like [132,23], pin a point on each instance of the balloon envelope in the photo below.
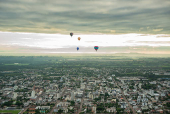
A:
[79,38]
[71,34]
[96,48]
[77,48]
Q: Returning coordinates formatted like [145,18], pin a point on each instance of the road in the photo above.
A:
[134,112]
[52,110]
[25,109]
[82,100]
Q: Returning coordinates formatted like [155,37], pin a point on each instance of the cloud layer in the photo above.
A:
[55,41]
[38,43]
[86,16]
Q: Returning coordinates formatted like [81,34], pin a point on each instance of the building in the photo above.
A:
[15,95]
[140,85]
[72,95]
[94,109]
[151,92]
[31,110]
[82,85]
[111,109]
[33,94]
[58,95]
[43,107]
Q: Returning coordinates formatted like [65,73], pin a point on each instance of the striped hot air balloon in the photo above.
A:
[96,48]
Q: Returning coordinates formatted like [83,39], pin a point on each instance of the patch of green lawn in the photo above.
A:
[10,111]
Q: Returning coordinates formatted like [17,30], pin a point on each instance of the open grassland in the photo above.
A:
[10,111]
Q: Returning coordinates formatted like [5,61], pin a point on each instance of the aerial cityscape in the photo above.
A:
[84,56]
[54,85]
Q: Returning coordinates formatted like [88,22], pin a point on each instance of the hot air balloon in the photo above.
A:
[96,48]
[71,34]
[79,38]
[77,48]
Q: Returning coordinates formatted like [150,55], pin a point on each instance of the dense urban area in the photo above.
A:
[79,85]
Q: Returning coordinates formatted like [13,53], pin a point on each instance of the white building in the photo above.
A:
[123,105]
[151,92]
[15,87]
[140,85]
[72,95]
[33,94]
[43,107]
[111,109]
[138,100]
[94,109]
[153,82]
[82,86]
[58,95]
[15,95]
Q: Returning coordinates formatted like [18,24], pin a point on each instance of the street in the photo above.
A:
[134,112]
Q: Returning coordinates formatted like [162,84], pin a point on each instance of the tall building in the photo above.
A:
[90,95]
[33,92]
[72,95]
[151,92]
[100,87]
[15,95]
[125,92]
[138,100]
[15,87]
[82,86]
[94,109]
[140,85]
[123,105]
[122,81]
[58,95]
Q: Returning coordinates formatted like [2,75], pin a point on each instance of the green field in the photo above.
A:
[10,111]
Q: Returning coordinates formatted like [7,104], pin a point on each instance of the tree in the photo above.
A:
[131,87]
[71,110]
[9,103]
[60,111]
[19,103]
[72,103]
[37,112]
[168,104]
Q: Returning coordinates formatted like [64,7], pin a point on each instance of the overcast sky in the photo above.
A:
[86,16]
[116,26]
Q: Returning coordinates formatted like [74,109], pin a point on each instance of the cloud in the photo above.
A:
[112,31]
[157,30]
[56,43]
[85,16]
